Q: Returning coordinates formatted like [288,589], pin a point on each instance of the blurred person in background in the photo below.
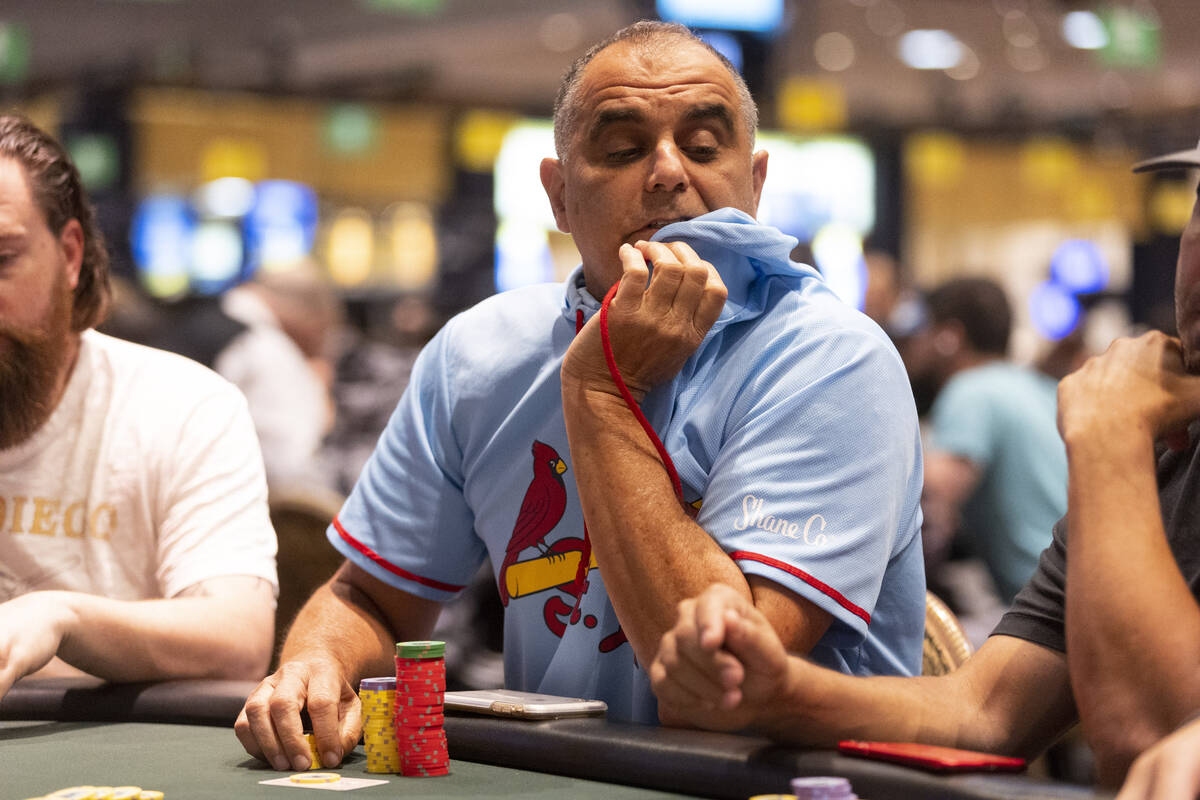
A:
[372,364]
[282,361]
[272,337]
[995,467]
[135,542]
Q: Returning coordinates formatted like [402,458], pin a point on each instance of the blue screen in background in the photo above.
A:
[758,16]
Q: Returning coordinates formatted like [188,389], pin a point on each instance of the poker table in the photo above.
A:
[177,737]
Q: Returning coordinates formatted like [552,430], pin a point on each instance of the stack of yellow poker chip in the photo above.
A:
[312,751]
[378,696]
[420,692]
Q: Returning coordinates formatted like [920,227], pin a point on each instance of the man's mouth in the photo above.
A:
[656,224]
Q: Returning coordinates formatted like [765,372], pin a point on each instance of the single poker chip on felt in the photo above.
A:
[125,793]
[315,777]
[421,649]
[151,794]
[73,793]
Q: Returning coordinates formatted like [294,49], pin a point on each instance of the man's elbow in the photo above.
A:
[248,661]
[247,650]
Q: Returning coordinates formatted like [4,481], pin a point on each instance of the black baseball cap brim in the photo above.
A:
[1184,159]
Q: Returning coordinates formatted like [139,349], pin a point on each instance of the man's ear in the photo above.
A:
[758,173]
[556,189]
[70,242]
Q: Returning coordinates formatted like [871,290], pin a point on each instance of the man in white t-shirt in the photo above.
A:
[135,542]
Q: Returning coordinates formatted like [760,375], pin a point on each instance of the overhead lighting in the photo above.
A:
[834,51]
[1084,30]
[930,49]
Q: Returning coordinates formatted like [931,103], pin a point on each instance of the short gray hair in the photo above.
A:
[645,32]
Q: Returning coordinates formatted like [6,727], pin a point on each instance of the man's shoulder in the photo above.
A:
[809,321]
[150,373]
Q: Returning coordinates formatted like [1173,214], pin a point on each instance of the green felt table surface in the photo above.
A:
[192,762]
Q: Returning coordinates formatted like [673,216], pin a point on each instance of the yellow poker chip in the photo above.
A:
[150,794]
[73,793]
[125,793]
[316,777]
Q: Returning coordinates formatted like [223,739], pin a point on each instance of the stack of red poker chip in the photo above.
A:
[420,692]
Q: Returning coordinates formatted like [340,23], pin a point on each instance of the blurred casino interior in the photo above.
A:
[392,145]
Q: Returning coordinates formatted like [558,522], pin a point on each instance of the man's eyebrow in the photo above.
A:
[609,117]
[714,111]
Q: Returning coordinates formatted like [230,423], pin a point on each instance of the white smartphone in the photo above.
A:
[525,705]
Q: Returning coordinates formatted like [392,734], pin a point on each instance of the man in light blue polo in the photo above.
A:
[785,415]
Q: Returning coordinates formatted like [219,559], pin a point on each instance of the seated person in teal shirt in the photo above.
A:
[995,468]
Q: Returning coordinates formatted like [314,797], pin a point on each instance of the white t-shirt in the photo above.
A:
[146,479]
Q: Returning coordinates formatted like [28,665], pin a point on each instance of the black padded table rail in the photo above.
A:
[184,702]
[690,762]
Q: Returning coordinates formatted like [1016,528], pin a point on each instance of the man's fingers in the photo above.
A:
[711,606]
[284,706]
[665,277]
[632,284]
[325,708]
[748,636]
[255,728]
[352,721]
[672,681]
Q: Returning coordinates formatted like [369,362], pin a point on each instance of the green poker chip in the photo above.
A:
[421,649]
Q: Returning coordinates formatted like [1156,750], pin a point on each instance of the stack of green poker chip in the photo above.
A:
[421,649]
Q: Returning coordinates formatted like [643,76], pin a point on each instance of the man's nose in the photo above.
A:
[668,173]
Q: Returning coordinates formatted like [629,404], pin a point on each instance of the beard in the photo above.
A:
[30,366]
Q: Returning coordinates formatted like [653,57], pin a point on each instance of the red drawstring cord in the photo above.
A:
[629,401]
[611,361]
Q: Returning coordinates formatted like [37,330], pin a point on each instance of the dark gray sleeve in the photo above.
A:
[1038,610]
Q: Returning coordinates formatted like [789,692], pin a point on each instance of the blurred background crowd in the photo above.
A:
[298,193]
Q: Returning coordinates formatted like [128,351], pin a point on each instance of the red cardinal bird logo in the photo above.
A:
[541,509]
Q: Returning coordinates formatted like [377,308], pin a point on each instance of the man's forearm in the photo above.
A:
[340,623]
[651,553]
[228,636]
[1011,697]
[1133,626]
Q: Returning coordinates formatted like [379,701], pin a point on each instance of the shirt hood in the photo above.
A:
[743,251]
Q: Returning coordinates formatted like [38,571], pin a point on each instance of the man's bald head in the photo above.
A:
[648,35]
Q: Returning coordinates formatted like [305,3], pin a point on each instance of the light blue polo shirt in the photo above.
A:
[792,427]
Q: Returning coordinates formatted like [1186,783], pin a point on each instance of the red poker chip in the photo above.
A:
[421,745]
[403,678]
[424,759]
[422,699]
[419,662]
[418,731]
[425,669]
[421,735]
[421,666]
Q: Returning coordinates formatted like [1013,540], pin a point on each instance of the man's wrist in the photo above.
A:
[1119,444]
[597,395]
